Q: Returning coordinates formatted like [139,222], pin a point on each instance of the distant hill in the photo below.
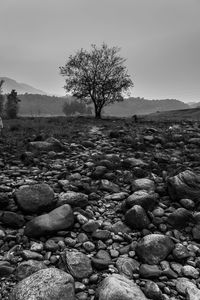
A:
[21,88]
[143,106]
[43,105]
[192,114]
[194,104]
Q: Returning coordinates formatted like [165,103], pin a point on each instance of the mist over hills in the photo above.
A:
[143,106]
[43,105]
[35,102]
[21,88]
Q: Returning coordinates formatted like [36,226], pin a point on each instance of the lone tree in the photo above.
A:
[98,75]
[12,105]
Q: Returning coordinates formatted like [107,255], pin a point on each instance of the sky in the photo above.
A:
[159,38]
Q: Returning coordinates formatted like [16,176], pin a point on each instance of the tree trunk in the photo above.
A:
[97,112]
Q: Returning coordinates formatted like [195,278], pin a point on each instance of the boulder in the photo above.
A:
[119,287]
[154,248]
[127,266]
[77,264]
[136,218]
[143,198]
[51,144]
[184,185]
[179,218]
[60,218]
[46,284]
[143,184]
[32,198]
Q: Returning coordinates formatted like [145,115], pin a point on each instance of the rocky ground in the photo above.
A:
[104,210]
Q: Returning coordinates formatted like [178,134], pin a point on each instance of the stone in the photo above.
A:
[136,218]
[73,198]
[26,268]
[184,185]
[46,284]
[193,293]
[91,226]
[143,184]
[101,234]
[196,232]
[12,219]
[179,218]
[60,218]
[132,162]
[180,252]
[77,264]
[184,284]
[120,227]
[27,254]
[99,172]
[154,248]
[147,200]
[127,266]
[119,287]
[149,271]
[50,144]
[152,290]
[187,203]
[35,197]
[6,269]
[109,186]
[102,260]
[189,271]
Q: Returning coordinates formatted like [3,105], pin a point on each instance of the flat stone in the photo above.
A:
[72,198]
[60,218]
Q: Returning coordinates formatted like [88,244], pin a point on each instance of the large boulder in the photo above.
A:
[51,144]
[32,198]
[77,264]
[119,287]
[60,218]
[184,185]
[153,248]
[73,198]
[46,284]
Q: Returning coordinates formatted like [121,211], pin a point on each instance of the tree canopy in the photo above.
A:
[98,75]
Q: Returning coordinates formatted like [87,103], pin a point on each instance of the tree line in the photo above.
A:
[9,104]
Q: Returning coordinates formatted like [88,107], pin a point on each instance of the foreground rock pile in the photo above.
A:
[112,215]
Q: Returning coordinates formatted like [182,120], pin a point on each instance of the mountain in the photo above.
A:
[141,106]
[21,88]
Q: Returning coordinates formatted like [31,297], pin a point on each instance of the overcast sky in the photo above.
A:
[159,38]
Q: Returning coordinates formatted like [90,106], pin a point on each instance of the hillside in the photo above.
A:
[176,115]
[43,105]
[133,106]
[21,88]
